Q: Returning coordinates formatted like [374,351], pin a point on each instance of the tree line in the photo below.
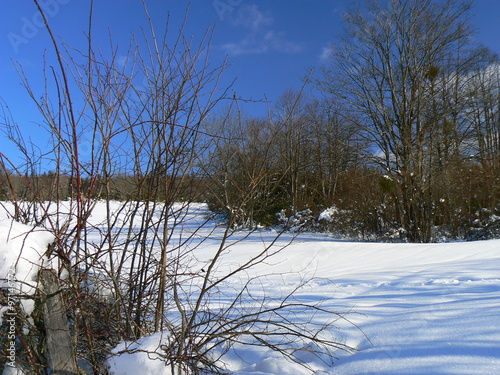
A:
[400,139]
[398,135]
[312,166]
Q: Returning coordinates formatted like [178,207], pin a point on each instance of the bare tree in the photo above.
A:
[292,145]
[384,70]
[483,112]
[244,158]
[336,146]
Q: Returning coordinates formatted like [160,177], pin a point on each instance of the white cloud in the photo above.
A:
[277,41]
[262,43]
[261,37]
[326,53]
[252,18]
[246,46]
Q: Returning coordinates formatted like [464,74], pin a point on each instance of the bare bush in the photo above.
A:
[138,269]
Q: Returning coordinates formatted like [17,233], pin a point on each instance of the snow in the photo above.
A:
[13,371]
[435,314]
[22,250]
[328,214]
[425,309]
[415,309]
[139,360]
[422,309]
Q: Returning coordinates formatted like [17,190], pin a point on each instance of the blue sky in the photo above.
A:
[270,44]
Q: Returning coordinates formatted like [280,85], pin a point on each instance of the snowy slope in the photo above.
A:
[428,309]
[423,309]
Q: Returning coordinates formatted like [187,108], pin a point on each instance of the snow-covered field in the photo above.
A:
[422,309]
[428,309]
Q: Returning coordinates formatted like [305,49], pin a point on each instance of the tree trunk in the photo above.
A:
[62,357]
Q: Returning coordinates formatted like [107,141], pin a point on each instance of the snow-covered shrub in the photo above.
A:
[299,221]
[485,225]
[23,251]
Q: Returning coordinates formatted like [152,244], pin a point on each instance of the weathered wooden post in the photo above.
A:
[62,357]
